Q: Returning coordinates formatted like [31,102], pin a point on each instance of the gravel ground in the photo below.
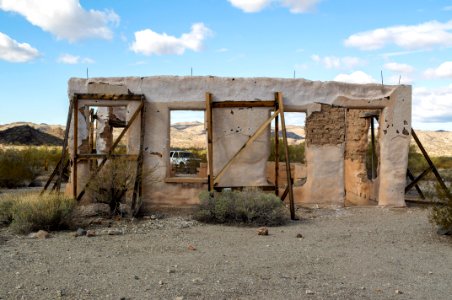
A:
[352,253]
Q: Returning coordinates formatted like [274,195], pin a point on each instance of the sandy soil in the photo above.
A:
[353,253]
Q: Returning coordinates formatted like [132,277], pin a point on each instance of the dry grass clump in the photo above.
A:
[249,207]
[441,215]
[28,212]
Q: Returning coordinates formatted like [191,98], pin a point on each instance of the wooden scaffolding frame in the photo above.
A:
[100,100]
[431,167]
[278,106]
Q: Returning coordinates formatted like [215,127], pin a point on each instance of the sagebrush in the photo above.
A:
[30,212]
[441,214]
[250,207]
[20,168]
[115,183]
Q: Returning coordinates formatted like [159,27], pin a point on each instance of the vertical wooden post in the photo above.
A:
[210,175]
[138,186]
[276,151]
[374,156]
[75,150]
[64,148]
[279,98]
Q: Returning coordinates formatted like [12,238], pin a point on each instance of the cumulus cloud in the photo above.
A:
[148,42]
[355,77]
[13,51]
[73,60]
[333,62]
[421,36]
[444,70]
[400,68]
[432,105]
[250,6]
[300,6]
[66,19]
[294,6]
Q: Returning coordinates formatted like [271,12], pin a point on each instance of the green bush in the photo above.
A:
[441,214]
[19,168]
[250,207]
[30,212]
[296,152]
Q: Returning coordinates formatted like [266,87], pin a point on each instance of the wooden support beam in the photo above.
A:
[95,156]
[276,151]
[186,180]
[109,97]
[235,104]
[279,98]
[258,132]
[417,179]
[75,148]
[210,175]
[432,165]
[138,187]
[418,189]
[110,152]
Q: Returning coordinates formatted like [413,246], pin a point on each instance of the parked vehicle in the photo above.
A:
[184,161]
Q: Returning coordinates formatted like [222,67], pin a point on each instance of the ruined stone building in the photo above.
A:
[338,117]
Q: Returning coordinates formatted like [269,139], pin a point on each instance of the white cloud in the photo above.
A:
[300,6]
[222,50]
[294,6]
[447,8]
[444,70]
[148,42]
[13,51]
[432,105]
[66,19]
[355,77]
[333,62]
[399,68]
[413,37]
[73,60]
[250,6]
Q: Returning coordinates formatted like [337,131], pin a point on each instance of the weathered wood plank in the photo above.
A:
[238,104]
[210,174]
[279,98]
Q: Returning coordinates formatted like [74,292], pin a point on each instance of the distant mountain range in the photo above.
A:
[190,134]
[21,134]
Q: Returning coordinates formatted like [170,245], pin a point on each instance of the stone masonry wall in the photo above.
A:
[326,127]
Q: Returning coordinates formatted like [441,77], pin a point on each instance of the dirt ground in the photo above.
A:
[351,253]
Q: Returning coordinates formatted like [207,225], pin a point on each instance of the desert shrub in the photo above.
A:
[6,213]
[116,181]
[250,207]
[30,211]
[441,214]
[19,168]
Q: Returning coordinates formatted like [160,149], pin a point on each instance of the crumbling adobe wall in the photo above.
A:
[358,188]
[325,136]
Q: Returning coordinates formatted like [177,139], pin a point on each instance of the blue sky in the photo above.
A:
[45,42]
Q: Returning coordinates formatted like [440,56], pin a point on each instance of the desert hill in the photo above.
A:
[192,134]
[29,136]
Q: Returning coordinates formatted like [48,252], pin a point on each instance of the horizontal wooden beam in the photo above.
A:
[234,188]
[97,156]
[235,104]
[103,103]
[186,180]
[130,97]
